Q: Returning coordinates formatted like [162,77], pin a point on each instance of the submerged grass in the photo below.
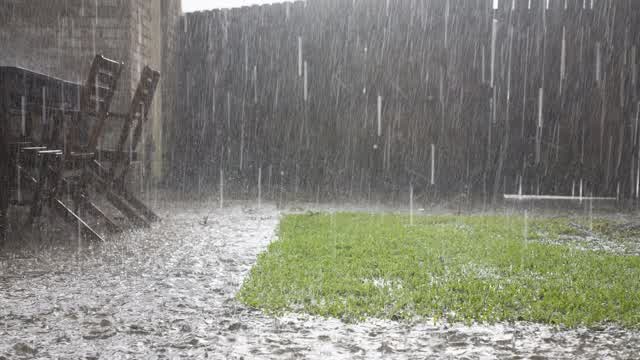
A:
[469,268]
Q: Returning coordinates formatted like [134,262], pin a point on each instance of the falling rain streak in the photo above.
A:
[379,115]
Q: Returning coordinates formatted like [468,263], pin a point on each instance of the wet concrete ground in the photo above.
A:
[168,292]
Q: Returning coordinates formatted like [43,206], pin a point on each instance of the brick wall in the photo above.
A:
[60,37]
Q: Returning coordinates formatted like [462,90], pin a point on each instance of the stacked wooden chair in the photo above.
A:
[64,168]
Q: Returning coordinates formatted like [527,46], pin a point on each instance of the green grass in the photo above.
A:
[470,268]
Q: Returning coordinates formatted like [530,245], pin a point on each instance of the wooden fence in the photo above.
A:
[349,97]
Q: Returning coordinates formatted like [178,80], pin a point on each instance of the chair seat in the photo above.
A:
[82,155]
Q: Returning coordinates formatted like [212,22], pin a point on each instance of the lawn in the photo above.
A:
[462,268]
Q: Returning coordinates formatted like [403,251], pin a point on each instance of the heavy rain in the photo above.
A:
[240,179]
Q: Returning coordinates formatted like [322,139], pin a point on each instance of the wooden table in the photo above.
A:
[24,93]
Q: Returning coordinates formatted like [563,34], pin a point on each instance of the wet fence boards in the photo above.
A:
[349,96]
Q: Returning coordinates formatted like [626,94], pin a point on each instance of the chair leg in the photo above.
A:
[4,185]
[4,213]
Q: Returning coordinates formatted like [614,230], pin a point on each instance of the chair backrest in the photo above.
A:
[138,111]
[97,94]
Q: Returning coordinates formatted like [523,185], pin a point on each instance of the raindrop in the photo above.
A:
[446,24]
[634,66]
[525,232]
[494,30]
[598,61]
[241,165]
[411,203]
[519,185]
[228,110]
[540,102]
[638,182]
[300,56]
[482,68]
[539,128]
[23,116]
[591,212]
[44,105]
[306,82]
[563,55]
[379,115]
[18,178]
[79,235]
[221,190]
[433,164]
[255,84]
[259,187]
